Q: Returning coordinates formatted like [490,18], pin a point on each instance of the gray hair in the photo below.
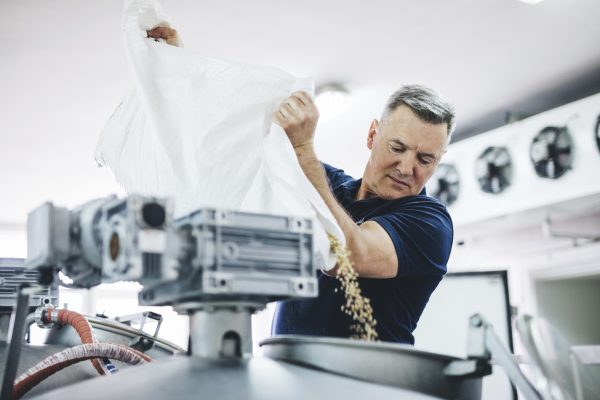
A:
[427,105]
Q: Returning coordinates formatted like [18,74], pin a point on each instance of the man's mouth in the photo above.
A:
[399,181]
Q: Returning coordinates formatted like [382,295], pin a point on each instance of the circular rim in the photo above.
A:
[357,344]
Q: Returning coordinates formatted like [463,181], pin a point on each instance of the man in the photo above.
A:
[399,238]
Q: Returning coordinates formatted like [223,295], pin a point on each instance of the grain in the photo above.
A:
[356,306]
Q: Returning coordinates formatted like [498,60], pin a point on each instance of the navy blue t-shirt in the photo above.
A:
[421,230]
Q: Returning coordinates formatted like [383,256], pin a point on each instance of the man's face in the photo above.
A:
[404,154]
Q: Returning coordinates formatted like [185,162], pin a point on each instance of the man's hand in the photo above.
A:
[298,116]
[166,33]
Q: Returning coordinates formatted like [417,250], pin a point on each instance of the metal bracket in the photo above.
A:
[483,344]
[468,368]
[144,341]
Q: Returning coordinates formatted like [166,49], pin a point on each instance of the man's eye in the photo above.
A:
[397,149]
[425,161]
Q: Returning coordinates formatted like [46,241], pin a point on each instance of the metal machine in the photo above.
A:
[219,267]
[13,274]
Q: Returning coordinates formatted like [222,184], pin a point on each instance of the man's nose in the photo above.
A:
[406,163]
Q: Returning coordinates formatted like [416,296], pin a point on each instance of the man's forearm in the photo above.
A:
[313,169]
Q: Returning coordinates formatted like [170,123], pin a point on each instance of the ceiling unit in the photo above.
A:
[515,168]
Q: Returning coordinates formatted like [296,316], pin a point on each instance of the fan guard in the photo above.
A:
[445,184]
[551,152]
[493,169]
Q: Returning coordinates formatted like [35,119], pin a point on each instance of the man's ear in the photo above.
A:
[372,132]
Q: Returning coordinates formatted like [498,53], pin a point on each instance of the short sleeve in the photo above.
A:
[422,233]
[335,176]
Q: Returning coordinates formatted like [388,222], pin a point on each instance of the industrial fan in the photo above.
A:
[551,152]
[494,169]
[445,184]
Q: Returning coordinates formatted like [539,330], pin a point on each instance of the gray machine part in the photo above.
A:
[230,379]
[219,330]
[12,274]
[208,255]
[104,240]
[223,255]
[135,238]
[381,363]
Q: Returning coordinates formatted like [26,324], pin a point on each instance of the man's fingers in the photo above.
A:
[292,108]
[289,115]
[158,32]
[303,97]
[164,32]
[279,118]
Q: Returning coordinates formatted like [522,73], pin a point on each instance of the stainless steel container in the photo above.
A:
[383,363]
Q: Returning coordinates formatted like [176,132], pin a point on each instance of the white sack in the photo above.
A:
[200,131]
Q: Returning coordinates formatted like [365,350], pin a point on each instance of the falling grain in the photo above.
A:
[357,306]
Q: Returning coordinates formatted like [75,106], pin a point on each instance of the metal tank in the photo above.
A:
[294,367]
[256,378]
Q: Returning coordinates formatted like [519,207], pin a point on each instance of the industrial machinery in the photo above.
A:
[13,274]
[219,267]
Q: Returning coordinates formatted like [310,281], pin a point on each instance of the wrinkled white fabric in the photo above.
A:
[200,131]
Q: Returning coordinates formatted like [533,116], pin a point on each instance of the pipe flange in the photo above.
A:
[43,317]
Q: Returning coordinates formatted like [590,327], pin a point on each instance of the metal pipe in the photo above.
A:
[16,339]
[506,360]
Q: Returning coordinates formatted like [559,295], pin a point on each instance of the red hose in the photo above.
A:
[81,326]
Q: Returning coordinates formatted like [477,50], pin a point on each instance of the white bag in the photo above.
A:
[200,131]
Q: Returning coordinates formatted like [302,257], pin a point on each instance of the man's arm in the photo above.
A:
[372,250]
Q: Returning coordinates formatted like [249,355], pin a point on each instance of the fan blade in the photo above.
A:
[502,159]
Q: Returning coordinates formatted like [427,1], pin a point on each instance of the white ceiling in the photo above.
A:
[63,70]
